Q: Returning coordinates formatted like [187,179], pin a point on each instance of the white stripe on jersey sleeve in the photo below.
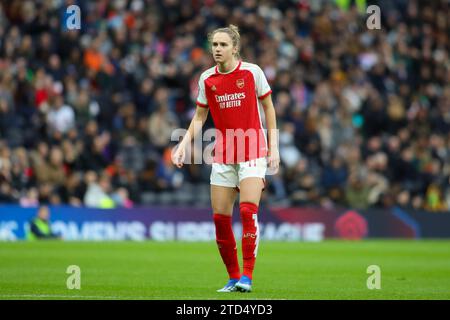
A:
[262,86]
[201,86]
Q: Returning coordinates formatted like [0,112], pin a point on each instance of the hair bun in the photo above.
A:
[234,28]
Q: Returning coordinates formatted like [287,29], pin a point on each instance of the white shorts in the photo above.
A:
[230,175]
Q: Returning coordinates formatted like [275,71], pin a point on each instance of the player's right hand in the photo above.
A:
[178,156]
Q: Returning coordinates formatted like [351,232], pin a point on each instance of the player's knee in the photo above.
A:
[221,209]
[250,197]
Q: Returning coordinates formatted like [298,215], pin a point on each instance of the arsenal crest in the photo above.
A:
[240,83]
[213,88]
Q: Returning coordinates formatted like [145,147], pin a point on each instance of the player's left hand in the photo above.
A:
[273,160]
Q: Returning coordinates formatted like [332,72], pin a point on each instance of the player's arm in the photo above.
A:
[196,125]
[200,116]
[272,133]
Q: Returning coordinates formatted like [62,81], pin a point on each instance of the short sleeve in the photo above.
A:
[201,99]
[262,86]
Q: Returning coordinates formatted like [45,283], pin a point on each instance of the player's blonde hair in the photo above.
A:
[233,32]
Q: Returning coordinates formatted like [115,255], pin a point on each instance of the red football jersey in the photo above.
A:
[233,99]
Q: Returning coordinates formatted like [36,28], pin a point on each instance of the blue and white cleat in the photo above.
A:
[244,284]
[230,286]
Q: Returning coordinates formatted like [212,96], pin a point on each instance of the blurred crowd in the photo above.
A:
[86,115]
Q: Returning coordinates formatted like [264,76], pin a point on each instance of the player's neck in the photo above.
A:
[227,66]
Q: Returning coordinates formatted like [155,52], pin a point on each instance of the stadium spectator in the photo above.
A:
[73,190]
[61,117]
[40,228]
[357,193]
[161,125]
[52,171]
[98,192]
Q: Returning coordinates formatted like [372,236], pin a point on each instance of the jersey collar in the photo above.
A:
[231,71]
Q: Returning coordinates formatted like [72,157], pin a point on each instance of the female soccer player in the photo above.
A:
[233,91]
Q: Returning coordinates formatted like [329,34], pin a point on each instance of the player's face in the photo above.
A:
[222,48]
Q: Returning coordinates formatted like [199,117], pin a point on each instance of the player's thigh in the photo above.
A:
[222,199]
[251,189]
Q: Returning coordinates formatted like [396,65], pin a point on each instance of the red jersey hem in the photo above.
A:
[218,160]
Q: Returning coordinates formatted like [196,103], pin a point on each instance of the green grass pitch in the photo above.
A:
[183,271]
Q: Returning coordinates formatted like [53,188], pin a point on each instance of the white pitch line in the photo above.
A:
[65,296]
[114,297]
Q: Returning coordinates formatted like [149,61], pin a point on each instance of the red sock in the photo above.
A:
[250,236]
[227,244]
